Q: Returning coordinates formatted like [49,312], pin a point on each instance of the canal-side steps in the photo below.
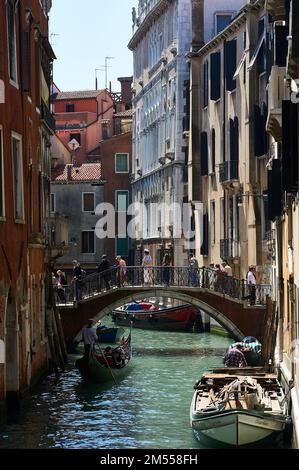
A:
[224,298]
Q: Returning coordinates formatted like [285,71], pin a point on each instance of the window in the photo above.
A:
[213,162]
[122,246]
[205,234]
[230,51]
[77,137]
[17,164]
[122,201]
[261,57]
[205,90]
[259,47]
[11,32]
[88,202]
[70,108]
[212,225]
[52,202]
[87,242]
[221,21]
[204,153]
[2,208]
[215,76]
[121,163]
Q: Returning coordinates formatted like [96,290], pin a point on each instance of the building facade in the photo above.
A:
[75,194]
[161,37]
[96,128]
[283,177]
[83,119]
[162,34]
[26,124]
[229,145]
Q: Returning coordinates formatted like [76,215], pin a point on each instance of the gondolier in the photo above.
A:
[89,337]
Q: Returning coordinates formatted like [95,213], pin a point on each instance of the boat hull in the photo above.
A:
[96,373]
[236,428]
[181,318]
[95,367]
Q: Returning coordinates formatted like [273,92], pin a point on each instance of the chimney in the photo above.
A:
[197,24]
[126,90]
[69,172]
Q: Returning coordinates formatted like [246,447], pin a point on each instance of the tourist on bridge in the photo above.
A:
[212,276]
[61,285]
[78,275]
[227,279]
[147,263]
[89,337]
[234,357]
[251,283]
[122,270]
[166,271]
[193,270]
[103,270]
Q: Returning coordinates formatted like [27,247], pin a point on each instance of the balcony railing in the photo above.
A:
[48,117]
[229,248]
[229,171]
[86,288]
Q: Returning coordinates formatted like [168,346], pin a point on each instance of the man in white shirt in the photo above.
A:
[89,337]
[251,283]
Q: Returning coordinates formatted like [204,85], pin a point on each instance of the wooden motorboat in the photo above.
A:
[158,317]
[234,408]
[96,368]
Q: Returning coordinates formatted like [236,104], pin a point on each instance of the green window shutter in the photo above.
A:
[122,164]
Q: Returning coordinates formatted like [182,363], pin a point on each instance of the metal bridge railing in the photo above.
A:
[159,276]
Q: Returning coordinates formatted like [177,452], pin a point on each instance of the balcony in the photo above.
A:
[58,235]
[275,97]
[270,237]
[48,117]
[229,171]
[229,249]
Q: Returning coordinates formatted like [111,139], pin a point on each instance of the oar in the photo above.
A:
[105,359]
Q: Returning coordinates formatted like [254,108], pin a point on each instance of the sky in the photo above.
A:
[82,34]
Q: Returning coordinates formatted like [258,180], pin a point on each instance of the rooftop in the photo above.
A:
[85,172]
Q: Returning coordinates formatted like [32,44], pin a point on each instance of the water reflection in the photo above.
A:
[148,409]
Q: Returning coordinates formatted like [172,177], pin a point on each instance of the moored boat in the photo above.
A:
[236,408]
[147,315]
[98,369]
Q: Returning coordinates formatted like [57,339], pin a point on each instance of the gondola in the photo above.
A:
[95,368]
[108,334]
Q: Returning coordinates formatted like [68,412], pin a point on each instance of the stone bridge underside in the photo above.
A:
[237,317]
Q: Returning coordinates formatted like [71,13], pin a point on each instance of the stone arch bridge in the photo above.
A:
[221,297]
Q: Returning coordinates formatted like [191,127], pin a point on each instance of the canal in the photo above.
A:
[148,409]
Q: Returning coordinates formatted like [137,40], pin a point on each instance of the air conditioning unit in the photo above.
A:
[162,160]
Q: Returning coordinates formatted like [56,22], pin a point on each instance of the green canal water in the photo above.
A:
[149,409]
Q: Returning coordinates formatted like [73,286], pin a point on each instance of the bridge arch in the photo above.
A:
[172,293]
